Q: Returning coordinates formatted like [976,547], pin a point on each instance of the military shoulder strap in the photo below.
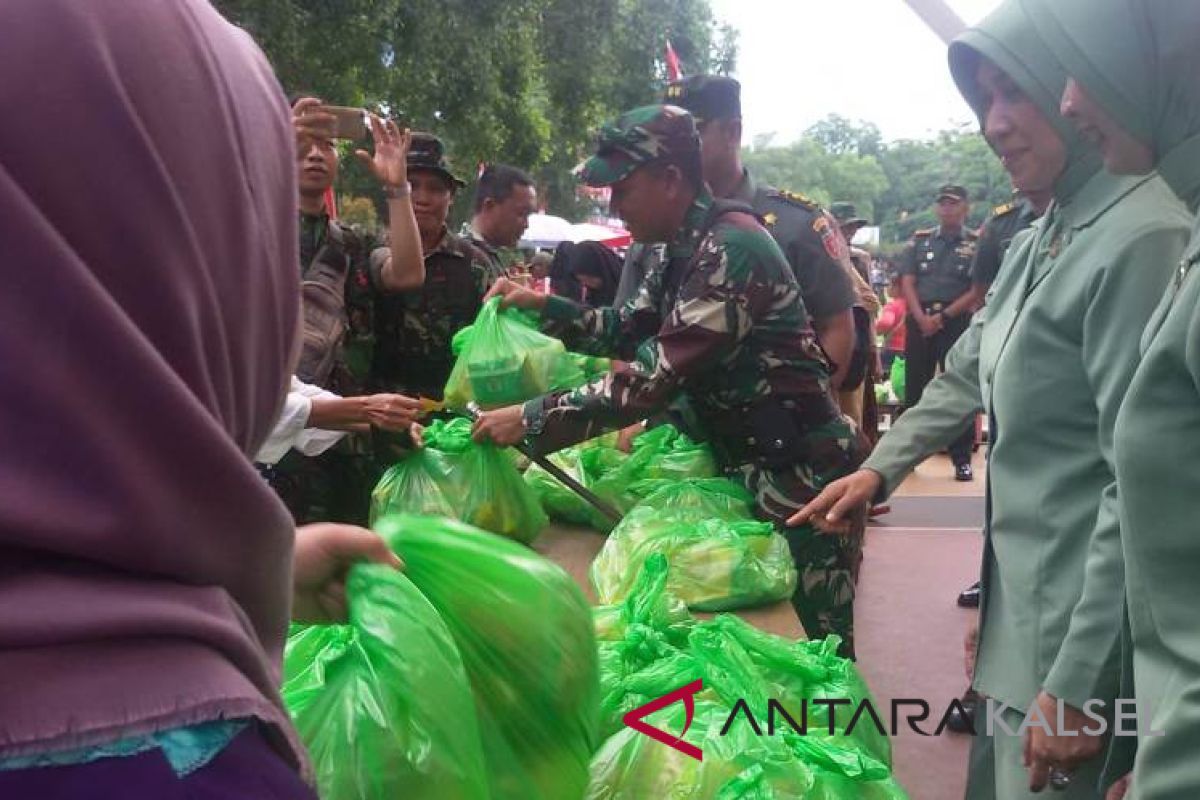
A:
[797,199]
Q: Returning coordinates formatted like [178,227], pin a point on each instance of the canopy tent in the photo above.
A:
[547,230]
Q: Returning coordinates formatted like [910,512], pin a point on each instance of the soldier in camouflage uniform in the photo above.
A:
[413,329]
[504,198]
[720,323]
[347,264]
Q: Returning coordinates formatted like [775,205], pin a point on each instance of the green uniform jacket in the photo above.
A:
[1049,359]
[1158,450]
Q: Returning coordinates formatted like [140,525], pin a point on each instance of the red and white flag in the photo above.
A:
[674,73]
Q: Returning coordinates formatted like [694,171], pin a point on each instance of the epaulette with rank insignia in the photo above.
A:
[798,200]
[924,233]
[1000,211]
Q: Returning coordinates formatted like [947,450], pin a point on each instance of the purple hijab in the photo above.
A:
[147,328]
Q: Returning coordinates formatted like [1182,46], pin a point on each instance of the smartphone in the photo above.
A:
[350,123]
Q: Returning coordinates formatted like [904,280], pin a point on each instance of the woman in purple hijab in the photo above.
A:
[147,332]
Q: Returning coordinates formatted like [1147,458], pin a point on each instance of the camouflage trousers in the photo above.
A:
[332,487]
[827,566]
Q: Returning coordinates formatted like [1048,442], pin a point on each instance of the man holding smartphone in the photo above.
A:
[342,270]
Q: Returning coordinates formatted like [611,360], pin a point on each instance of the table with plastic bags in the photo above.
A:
[650,646]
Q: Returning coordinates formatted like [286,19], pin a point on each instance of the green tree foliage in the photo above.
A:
[520,81]
[891,183]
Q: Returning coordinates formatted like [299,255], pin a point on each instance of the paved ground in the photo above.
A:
[909,630]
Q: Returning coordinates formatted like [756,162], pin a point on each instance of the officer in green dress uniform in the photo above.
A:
[935,275]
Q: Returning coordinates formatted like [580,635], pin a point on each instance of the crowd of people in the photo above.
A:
[213,341]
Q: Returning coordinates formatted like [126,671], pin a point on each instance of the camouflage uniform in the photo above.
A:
[500,259]
[413,329]
[721,323]
[336,486]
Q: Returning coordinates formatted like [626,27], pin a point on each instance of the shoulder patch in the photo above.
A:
[831,236]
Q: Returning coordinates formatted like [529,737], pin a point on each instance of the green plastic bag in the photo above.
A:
[454,476]
[720,557]
[525,634]
[897,377]
[623,479]
[587,463]
[652,648]
[504,361]
[383,704]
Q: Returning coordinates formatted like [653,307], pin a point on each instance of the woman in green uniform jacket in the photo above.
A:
[1049,360]
[1135,89]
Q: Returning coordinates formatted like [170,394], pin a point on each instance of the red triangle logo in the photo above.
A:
[685,693]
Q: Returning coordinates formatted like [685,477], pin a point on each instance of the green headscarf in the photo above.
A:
[1140,59]
[1009,40]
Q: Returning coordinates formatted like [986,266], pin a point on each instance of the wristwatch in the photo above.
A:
[398,192]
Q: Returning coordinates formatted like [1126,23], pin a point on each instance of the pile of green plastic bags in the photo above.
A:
[650,646]
[454,476]
[721,557]
[471,675]
[503,359]
[618,477]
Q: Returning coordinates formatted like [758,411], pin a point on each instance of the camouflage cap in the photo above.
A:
[636,138]
[428,153]
[847,214]
[706,96]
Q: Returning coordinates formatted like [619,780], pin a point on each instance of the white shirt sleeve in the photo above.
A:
[290,429]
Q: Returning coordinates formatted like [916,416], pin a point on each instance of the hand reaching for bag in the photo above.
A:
[514,295]
[324,554]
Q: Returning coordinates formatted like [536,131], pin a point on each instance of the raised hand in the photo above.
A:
[310,124]
[389,162]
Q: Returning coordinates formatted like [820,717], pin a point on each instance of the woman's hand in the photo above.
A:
[829,512]
[323,556]
[1065,749]
[513,294]
[504,426]
[391,412]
